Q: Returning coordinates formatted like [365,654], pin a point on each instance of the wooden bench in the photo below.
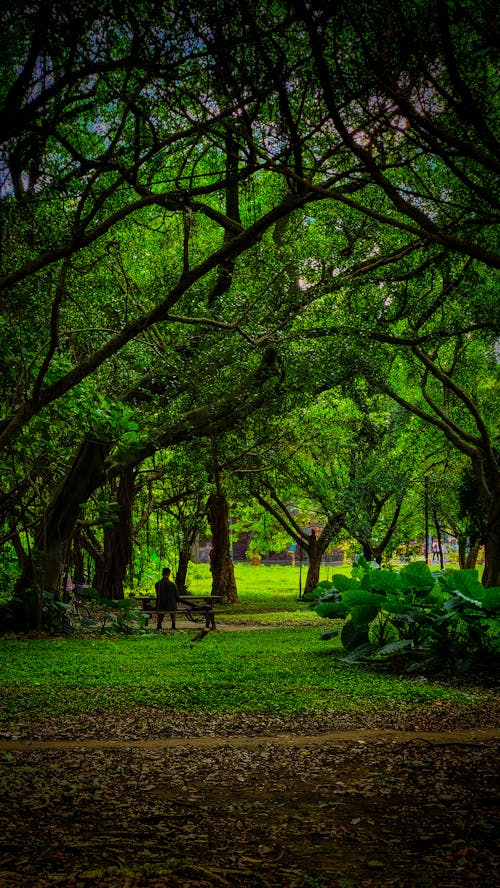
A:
[194,608]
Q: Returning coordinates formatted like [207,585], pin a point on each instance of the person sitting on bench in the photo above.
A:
[167,596]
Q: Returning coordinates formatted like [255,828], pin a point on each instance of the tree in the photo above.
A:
[411,93]
[180,495]
[414,103]
[204,217]
[126,150]
[94,461]
[285,484]
[437,359]
[117,550]
[107,158]
[377,445]
[472,518]
[221,566]
[312,541]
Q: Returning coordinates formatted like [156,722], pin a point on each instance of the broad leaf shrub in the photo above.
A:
[416,619]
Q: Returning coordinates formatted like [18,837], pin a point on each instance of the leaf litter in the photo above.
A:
[324,800]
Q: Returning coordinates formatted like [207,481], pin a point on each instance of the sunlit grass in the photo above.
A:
[261,587]
[282,670]
[283,666]
[302,617]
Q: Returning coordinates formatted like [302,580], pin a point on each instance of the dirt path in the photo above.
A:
[402,797]
[472,736]
[254,802]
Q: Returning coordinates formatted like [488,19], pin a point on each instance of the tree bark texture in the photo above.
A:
[316,547]
[313,571]
[491,573]
[221,566]
[112,569]
[182,568]
[44,569]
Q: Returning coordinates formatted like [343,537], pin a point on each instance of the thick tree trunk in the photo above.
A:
[376,553]
[471,559]
[189,526]
[95,554]
[16,542]
[76,562]
[316,548]
[491,573]
[182,568]
[221,566]
[112,569]
[372,553]
[44,569]
[313,570]
[462,551]
[439,536]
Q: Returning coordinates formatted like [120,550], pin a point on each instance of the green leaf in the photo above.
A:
[385,581]
[465,583]
[394,647]
[324,585]
[326,636]
[417,577]
[360,652]
[394,605]
[364,614]
[331,609]
[358,597]
[342,583]
[353,636]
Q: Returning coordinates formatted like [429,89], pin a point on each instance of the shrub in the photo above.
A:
[430,621]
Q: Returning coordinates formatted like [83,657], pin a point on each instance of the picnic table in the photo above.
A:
[194,607]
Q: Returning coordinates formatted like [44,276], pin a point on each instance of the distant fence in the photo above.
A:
[287,560]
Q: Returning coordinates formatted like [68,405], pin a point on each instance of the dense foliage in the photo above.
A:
[421,620]
[219,222]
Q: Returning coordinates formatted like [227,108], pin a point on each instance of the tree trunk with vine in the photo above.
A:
[44,568]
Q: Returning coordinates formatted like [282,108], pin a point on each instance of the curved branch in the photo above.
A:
[473,452]
[459,392]
[232,248]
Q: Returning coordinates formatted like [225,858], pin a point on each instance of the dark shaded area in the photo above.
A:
[251,811]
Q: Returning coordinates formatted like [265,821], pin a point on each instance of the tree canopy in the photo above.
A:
[213,215]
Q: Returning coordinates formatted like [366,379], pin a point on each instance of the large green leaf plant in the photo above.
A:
[414,618]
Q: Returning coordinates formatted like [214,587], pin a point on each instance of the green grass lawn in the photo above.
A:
[269,587]
[283,668]
[280,670]
[266,594]
[261,588]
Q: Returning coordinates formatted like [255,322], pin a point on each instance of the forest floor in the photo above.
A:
[150,798]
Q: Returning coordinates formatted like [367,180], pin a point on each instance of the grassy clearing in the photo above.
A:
[284,669]
[262,588]
[267,595]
